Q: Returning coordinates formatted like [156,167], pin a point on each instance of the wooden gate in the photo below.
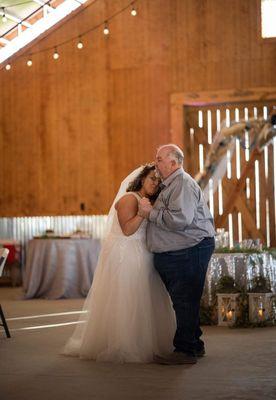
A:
[245,202]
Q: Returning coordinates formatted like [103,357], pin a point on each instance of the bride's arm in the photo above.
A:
[127,210]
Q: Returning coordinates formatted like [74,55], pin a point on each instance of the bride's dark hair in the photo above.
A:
[137,183]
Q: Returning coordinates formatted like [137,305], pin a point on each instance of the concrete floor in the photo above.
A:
[240,364]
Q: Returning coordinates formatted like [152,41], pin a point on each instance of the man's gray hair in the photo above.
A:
[174,152]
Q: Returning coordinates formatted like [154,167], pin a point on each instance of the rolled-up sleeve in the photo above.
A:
[180,210]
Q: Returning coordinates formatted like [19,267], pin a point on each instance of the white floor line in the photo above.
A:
[44,326]
[46,315]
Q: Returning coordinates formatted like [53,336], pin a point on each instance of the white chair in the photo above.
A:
[3,257]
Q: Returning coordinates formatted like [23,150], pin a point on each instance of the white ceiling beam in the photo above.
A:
[42,3]
[4,41]
[14,18]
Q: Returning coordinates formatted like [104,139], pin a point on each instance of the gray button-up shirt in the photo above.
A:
[180,217]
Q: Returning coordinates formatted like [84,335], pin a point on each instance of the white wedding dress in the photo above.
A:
[129,313]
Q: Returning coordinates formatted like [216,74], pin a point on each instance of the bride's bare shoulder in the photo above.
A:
[128,200]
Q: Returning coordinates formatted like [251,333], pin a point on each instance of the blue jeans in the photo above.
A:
[183,273]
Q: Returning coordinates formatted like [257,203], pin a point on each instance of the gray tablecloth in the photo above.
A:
[60,268]
[64,268]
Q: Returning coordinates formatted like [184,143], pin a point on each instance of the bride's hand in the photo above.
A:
[144,207]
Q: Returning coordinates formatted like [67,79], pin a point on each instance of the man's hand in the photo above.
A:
[144,207]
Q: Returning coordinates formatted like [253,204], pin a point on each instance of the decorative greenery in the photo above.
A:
[226,284]
[270,250]
[207,314]
[272,316]
[242,320]
[226,250]
[260,284]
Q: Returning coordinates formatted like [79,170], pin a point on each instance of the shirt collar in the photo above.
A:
[166,182]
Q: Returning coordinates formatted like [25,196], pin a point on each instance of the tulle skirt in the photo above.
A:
[129,315]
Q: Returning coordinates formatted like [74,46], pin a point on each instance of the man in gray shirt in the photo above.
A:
[180,233]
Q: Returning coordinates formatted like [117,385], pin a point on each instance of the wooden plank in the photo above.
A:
[263,197]
[249,221]
[224,96]
[271,195]
[178,123]
[190,160]
[237,187]
[249,224]
[235,225]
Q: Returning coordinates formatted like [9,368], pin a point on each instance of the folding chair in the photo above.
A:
[3,257]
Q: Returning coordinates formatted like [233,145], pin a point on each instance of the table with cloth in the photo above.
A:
[64,268]
[12,270]
[60,268]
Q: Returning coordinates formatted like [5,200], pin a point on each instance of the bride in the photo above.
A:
[129,316]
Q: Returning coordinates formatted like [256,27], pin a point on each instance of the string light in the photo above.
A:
[106,29]
[4,18]
[80,44]
[55,55]
[133,11]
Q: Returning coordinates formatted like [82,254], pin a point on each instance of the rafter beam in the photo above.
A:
[42,3]
[14,18]
[4,41]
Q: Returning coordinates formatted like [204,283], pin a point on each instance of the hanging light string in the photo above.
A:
[105,24]
[106,32]
[4,18]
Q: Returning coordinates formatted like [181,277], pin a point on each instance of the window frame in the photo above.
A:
[259,25]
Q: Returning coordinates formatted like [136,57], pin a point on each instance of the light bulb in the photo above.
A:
[8,67]
[133,12]
[80,45]
[55,55]
[4,18]
[29,63]
[106,30]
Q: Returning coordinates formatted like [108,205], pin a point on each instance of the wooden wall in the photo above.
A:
[71,130]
